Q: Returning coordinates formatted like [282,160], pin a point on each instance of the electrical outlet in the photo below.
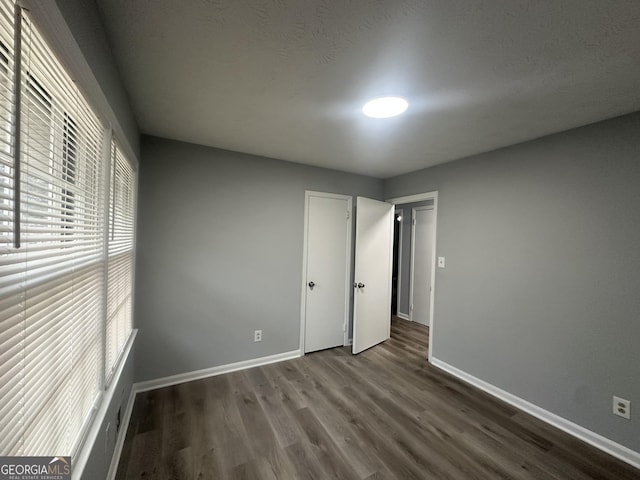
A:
[440,262]
[257,336]
[622,407]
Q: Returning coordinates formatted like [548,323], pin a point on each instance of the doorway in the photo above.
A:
[397,255]
[408,293]
[327,282]
[327,271]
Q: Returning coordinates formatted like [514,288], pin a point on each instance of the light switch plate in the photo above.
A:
[440,262]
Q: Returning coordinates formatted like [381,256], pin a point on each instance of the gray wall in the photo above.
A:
[540,293]
[220,238]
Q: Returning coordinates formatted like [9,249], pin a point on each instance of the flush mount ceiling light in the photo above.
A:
[385,107]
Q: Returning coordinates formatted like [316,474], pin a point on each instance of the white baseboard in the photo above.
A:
[122,434]
[602,443]
[213,371]
[403,316]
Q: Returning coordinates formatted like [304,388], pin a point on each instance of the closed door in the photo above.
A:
[422,264]
[372,276]
[327,270]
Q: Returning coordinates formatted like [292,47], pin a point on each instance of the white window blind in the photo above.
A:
[11,320]
[52,282]
[122,206]
[59,267]
[6,129]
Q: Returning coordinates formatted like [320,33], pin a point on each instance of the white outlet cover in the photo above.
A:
[440,262]
[622,407]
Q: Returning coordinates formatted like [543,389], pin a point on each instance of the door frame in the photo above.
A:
[413,258]
[401,228]
[419,198]
[303,296]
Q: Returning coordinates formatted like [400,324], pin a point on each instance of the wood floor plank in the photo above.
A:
[147,412]
[304,462]
[245,471]
[207,464]
[382,441]
[175,427]
[229,435]
[276,465]
[262,438]
[329,455]
[361,458]
[383,414]
[146,457]
[178,464]
[285,429]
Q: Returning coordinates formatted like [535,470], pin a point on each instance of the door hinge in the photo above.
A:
[413,221]
[348,215]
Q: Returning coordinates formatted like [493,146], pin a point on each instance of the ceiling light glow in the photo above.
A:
[385,107]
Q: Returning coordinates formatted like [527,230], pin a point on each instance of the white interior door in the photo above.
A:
[373,269]
[423,241]
[328,259]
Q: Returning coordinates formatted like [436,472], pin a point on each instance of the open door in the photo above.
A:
[373,270]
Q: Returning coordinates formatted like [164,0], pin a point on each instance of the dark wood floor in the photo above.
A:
[385,413]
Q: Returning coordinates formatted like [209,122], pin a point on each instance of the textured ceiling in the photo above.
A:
[287,78]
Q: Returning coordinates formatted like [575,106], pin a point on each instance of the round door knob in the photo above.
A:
[360,285]
[311,284]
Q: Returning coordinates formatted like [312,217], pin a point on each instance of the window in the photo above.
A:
[6,133]
[66,250]
[120,259]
